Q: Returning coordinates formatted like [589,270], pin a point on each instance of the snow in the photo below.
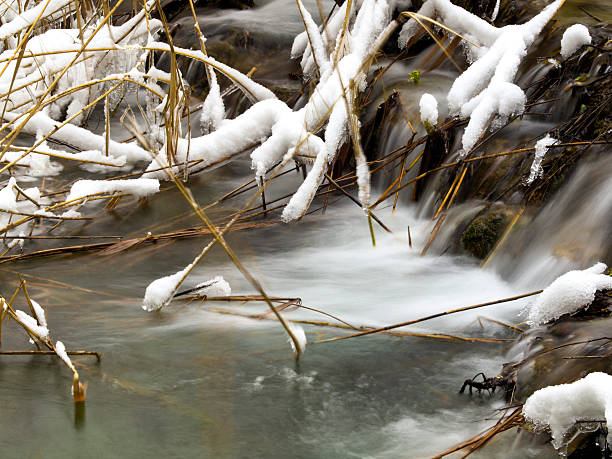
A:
[294,135]
[40,312]
[32,325]
[60,350]
[8,196]
[300,335]
[559,407]
[429,109]
[232,136]
[569,293]
[81,138]
[214,287]
[213,109]
[254,91]
[30,16]
[71,214]
[495,11]
[316,42]
[573,39]
[485,90]
[141,187]
[541,148]
[159,293]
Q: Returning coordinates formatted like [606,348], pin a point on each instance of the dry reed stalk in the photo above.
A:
[10,138]
[502,240]
[433,316]
[318,323]
[477,441]
[503,324]
[97,354]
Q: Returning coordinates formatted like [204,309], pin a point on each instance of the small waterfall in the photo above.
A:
[572,231]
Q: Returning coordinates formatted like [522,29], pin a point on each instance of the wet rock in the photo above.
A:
[484,231]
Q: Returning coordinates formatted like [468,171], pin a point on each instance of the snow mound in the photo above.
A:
[573,39]
[429,109]
[569,293]
[559,407]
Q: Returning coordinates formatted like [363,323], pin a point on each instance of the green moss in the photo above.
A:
[483,232]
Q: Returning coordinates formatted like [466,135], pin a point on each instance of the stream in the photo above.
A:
[189,382]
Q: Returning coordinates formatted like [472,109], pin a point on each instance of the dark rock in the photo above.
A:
[484,231]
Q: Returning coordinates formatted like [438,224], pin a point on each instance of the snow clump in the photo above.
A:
[573,39]
[160,292]
[559,407]
[429,109]
[569,293]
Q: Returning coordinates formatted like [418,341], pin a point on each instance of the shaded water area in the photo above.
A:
[189,382]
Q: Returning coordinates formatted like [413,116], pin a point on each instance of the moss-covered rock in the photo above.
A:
[483,232]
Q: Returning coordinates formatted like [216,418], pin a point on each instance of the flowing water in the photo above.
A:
[189,382]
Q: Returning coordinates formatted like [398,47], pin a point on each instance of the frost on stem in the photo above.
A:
[560,407]
[569,293]
[485,90]
[541,148]
[573,39]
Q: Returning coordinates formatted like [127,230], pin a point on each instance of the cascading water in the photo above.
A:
[190,382]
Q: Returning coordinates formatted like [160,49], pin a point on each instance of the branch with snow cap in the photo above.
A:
[36,328]
[283,133]
[140,188]
[486,89]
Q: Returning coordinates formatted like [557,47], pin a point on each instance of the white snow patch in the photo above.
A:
[160,292]
[559,407]
[429,109]
[569,293]
[214,287]
[60,350]
[32,324]
[485,90]
[495,11]
[40,313]
[138,187]
[8,196]
[573,39]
